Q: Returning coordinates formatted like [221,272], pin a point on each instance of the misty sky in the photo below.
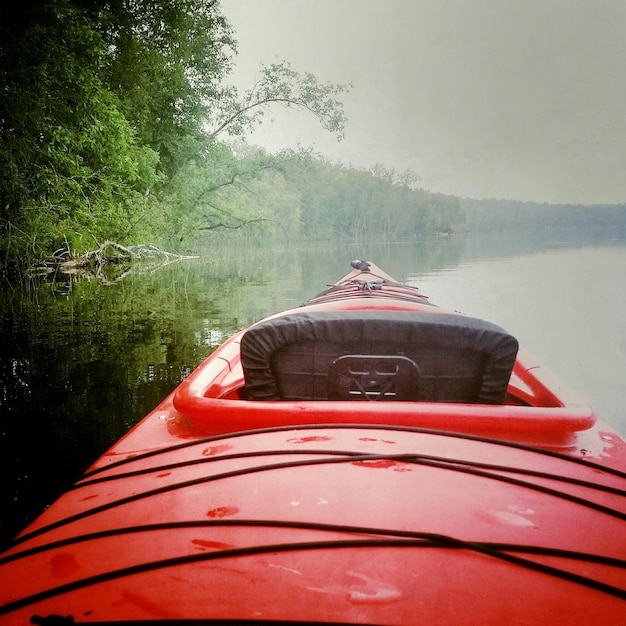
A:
[519,99]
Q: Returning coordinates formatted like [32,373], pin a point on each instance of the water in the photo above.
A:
[81,361]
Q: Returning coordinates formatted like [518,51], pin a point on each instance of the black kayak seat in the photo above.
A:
[377,355]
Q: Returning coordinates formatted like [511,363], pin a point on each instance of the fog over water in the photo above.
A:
[482,99]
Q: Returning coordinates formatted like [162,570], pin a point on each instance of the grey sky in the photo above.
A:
[520,99]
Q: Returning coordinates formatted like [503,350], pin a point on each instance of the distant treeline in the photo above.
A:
[309,197]
[306,196]
[500,216]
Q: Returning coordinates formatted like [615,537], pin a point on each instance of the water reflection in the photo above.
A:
[81,361]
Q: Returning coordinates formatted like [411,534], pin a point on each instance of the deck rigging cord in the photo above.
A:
[409,458]
[402,457]
[406,540]
[392,289]
[585,462]
[497,550]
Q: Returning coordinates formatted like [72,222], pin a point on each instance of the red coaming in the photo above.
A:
[209,398]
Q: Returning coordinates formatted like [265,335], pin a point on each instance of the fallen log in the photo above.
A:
[93,263]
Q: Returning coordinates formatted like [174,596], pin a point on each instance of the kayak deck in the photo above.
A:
[338,524]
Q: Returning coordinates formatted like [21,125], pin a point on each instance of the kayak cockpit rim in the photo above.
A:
[408,361]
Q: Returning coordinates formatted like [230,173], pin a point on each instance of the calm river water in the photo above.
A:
[82,360]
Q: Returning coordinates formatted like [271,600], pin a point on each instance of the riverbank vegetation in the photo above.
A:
[118,124]
[116,118]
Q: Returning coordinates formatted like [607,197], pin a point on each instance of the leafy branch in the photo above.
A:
[280,84]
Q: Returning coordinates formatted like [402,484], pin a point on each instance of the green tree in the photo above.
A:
[70,165]
[166,62]
[209,189]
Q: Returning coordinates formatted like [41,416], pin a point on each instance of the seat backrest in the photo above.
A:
[377,355]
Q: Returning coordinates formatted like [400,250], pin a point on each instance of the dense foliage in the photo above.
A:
[71,162]
[117,123]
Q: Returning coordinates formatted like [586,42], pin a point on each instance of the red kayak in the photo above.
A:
[367,458]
